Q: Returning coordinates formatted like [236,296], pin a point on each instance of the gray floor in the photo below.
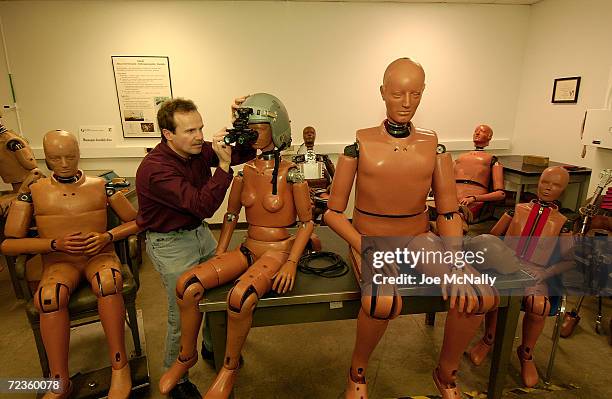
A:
[311,360]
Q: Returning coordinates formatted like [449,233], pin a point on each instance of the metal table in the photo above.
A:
[320,299]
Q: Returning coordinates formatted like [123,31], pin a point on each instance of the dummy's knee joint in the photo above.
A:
[107,282]
[537,304]
[52,297]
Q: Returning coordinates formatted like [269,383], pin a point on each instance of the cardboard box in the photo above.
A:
[535,160]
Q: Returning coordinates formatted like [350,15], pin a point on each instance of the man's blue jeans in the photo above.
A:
[172,254]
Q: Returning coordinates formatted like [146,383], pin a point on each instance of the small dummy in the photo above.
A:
[17,165]
[274,193]
[70,210]
[534,231]
[318,170]
[479,175]
[394,165]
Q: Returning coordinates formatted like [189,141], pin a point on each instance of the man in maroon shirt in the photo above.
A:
[176,192]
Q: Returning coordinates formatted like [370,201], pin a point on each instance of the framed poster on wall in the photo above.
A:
[565,90]
[142,83]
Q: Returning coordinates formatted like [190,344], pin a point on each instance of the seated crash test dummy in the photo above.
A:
[273,193]
[535,231]
[479,175]
[395,165]
[70,210]
[318,171]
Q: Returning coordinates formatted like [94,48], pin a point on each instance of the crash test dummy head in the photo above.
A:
[482,136]
[401,90]
[309,134]
[552,183]
[61,153]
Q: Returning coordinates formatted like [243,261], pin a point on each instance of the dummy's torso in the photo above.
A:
[534,231]
[474,166]
[393,179]
[268,215]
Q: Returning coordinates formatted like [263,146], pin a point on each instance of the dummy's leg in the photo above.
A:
[51,300]
[482,348]
[536,308]
[460,326]
[190,288]
[104,274]
[374,315]
[241,302]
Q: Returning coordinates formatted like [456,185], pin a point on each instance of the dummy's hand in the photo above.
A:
[237,102]
[71,244]
[461,295]
[285,278]
[31,178]
[465,201]
[539,275]
[95,242]
[223,151]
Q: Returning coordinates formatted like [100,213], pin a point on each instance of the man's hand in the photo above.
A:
[73,243]
[285,278]
[95,242]
[460,295]
[465,201]
[237,103]
[223,151]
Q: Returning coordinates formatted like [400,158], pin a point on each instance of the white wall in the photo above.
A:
[566,38]
[324,60]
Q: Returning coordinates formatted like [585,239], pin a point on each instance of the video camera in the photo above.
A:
[240,132]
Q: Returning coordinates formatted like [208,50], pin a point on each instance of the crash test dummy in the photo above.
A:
[273,193]
[318,170]
[70,211]
[479,175]
[395,165]
[538,234]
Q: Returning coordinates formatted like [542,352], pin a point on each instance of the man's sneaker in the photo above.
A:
[185,390]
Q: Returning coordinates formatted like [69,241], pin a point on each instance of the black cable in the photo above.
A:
[337,266]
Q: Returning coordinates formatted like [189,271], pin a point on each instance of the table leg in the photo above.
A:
[507,319]
[217,323]
[517,198]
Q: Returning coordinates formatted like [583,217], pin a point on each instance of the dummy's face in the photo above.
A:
[402,95]
[63,159]
[264,136]
[481,137]
[187,138]
[551,186]
[309,137]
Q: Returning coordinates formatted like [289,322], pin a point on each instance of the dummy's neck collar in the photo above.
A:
[396,129]
[68,180]
[3,129]
[546,204]
[267,155]
[479,148]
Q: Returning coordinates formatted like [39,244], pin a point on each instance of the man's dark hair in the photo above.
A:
[165,115]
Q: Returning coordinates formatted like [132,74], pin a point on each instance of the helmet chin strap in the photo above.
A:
[277,158]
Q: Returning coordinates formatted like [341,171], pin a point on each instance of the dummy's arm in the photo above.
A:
[449,221]
[16,229]
[339,196]
[231,216]
[31,178]
[126,212]
[502,224]
[498,193]
[566,247]
[23,152]
[285,278]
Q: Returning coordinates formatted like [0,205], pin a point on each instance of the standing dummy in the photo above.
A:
[531,230]
[476,173]
[71,217]
[273,193]
[396,164]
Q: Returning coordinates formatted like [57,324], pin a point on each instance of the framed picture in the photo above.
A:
[565,90]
